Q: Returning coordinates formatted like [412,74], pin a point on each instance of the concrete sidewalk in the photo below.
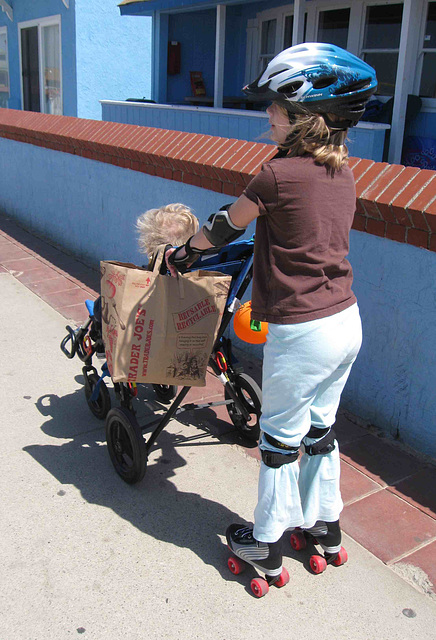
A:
[86,554]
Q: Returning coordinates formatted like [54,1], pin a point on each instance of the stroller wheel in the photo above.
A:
[165,392]
[250,396]
[126,445]
[101,406]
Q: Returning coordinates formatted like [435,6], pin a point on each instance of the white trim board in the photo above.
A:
[6,7]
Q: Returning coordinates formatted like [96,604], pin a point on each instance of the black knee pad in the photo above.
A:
[276,460]
[325,444]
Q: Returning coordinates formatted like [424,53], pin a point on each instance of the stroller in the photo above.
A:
[127,447]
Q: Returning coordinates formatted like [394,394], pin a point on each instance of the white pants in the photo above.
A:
[305,370]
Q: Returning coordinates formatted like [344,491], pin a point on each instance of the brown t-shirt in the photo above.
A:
[302,239]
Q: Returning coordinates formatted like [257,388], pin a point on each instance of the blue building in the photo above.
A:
[62,56]
[230,41]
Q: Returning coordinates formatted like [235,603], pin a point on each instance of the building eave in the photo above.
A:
[7,8]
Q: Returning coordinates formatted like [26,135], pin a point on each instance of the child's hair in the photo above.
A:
[171,224]
[310,135]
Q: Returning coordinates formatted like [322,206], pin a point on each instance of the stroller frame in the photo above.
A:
[127,447]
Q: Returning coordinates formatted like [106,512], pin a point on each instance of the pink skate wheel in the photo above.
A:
[236,565]
[284,578]
[298,541]
[318,564]
[259,587]
[341,559]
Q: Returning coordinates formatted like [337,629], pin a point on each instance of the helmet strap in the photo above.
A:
[337,125]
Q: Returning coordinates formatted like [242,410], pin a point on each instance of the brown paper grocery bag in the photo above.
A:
[159,329]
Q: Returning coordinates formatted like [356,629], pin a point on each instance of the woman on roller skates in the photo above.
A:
[304,202]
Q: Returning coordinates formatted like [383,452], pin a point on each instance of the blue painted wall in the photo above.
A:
[196,33]
[104,55]
[32,10]
[113,56]
[240,124]
[393,381]
[88,207]
[91,208]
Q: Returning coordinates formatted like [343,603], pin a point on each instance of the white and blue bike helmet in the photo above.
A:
[321,78]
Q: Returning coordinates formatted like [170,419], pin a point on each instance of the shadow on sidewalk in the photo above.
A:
[56,256]
[154,506]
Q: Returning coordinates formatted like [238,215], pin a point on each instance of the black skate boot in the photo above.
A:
[328,536]
[266,557]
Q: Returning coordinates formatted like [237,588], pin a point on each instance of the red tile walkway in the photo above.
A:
[389,493]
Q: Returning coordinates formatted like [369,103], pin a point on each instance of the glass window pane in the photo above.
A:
[287,38]
[333,27]
[289,25]
[383,27]
[385,65]
[268,40]
[4,69]
[51,70]
[428,77]
[430,27]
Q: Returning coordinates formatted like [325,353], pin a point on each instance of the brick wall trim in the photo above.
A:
[392,201]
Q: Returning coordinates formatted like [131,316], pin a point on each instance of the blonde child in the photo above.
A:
[171,224]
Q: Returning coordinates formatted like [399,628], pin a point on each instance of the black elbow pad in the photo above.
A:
[220,230]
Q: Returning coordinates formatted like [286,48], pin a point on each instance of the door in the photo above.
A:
[30,69]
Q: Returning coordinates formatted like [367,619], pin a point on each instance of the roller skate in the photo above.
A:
[263,556]
[328,536]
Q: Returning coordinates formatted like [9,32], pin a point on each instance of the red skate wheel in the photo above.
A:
[284,578]
[236,565]
[318,564]
[298,541]
[341,559]
[259,587]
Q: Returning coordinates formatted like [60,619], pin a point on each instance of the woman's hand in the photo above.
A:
[171,269]
[181,253]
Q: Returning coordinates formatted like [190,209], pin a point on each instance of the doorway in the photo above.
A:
[41,67]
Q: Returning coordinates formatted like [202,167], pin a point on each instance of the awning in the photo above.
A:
[147,7]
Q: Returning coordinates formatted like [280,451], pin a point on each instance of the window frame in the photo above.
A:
[40,23]
[4,30]
[362,49]
[356,34]
[426,101]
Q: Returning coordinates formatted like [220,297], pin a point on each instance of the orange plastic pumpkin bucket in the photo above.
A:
[251,331]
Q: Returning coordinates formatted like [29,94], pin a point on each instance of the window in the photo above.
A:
[289,26]
[4,68]
[267,41]
[428,53]
[275,31]
[333,27]
[41,66]
[381,43]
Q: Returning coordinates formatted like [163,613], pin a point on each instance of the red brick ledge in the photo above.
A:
[393,201]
